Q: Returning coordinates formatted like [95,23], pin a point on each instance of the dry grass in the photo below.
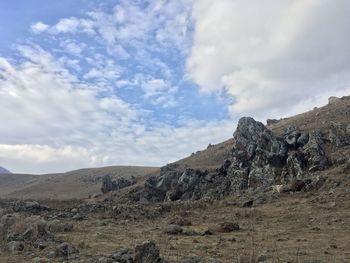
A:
[293,229]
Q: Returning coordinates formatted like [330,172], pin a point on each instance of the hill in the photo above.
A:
[78,184]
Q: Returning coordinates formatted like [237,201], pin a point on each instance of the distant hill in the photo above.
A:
[4,171]
[76,184]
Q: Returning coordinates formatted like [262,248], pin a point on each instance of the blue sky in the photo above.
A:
[141,82]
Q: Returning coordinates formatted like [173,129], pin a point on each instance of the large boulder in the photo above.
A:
[147,253]
[258,155]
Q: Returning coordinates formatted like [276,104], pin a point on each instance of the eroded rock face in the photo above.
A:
[258,155]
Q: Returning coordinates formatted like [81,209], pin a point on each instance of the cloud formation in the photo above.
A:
[274,58]
[52,121]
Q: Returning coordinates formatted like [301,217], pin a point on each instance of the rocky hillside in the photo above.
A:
[77,184]
[290,154]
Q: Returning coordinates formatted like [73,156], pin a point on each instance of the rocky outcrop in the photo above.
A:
[109,185]
[260,159]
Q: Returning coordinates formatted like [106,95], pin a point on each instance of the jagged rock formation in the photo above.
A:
[109,185]
[259,159]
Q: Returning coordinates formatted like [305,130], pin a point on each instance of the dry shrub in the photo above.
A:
[30,227]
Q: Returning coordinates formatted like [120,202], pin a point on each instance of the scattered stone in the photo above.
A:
[209,232]
[173,230]
[123,256]
[65,250]
[227,227]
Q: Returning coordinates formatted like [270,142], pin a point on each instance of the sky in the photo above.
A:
[138,82]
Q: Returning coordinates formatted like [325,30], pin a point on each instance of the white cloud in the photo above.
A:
[73,47]
[53,122]
[273,57]
[39,27]
[158,91]
[73,25]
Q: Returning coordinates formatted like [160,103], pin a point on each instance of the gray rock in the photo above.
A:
[292,135]
[109,185]
[66,250]
[227,227]
[123,256]
[173,230]
[314,152]
[147,253]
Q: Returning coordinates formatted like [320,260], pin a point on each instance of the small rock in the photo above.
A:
[65,250]
[147,253]
[208,232]
[173,230]
[228,227]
